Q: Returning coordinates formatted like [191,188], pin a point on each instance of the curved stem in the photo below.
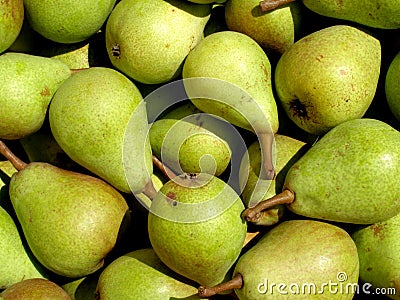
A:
[255,213]
[149,190]
[73,71]
[163,168]
[235,283]
[268,5]
[8,154]
[266,143]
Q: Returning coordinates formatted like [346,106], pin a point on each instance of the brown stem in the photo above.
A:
[266,142]
[73,71]
[7,153]
[149,190]
[235,283]
[268,5]
[163,168]
[255,213]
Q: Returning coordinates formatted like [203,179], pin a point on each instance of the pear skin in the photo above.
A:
[11,20]
[392,83]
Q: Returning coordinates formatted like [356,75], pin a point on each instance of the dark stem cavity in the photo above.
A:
[235,283]
[298,109]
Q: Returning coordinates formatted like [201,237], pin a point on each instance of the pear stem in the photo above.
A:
[235,283]
[268,5]
[163,168]
[8,154]
[255,213]
[149,190]
[73,71]
[268,170]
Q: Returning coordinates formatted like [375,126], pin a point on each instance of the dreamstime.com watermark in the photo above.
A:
[341,286]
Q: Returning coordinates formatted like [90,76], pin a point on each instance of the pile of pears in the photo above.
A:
[199,149]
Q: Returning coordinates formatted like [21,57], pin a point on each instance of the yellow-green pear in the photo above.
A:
[28,83]
[11,20]
[99,119]
[148,40]
[392,86]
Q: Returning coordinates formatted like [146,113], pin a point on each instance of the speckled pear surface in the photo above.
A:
[71,221]
[378,249]
[374,13]
[90,118]
[392,86]
[195,249]
[238,61]
[350,175]
[11,19]
[140,274]
[34,289]
[148,40]
[15,263]
[301,255]
[328,77]
[69,21]
[28,83]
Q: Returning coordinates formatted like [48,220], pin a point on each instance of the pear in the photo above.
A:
[71,221]
[349,176]
[392,89]
[72,22]
[375,13]
[254,187]
[94,116]
[28,84]
[188,146]
[34,289]
[302,259]
[275,31]
[182,226]
[328,77]
[140,274]
[151,47]
[240,93]
[11,20]
[82,288]
[378,250]
[15,263]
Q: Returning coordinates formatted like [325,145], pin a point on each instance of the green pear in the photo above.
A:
[297,259]
[72,22]
[140,274]
[71,221]
[186,146]
[254,187]
[379,14]
[94,116]
[378,250]
[34,289]
[392,86]
[229,75]
[275,31]
[11,20]
[28,84]
[15,263]
[347,176]
[182,227]
[328,77]
[151,47]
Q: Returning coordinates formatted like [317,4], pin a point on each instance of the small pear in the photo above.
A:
[34,289]
[392,86]
[11,20]
[15,263]
[72,22]
[349,176]
[275,31]
[302,259]
[182,227]
[97,114]
[140,274]
[70,221]
[151,47]
[328,77]
[379,253]
[28,84]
